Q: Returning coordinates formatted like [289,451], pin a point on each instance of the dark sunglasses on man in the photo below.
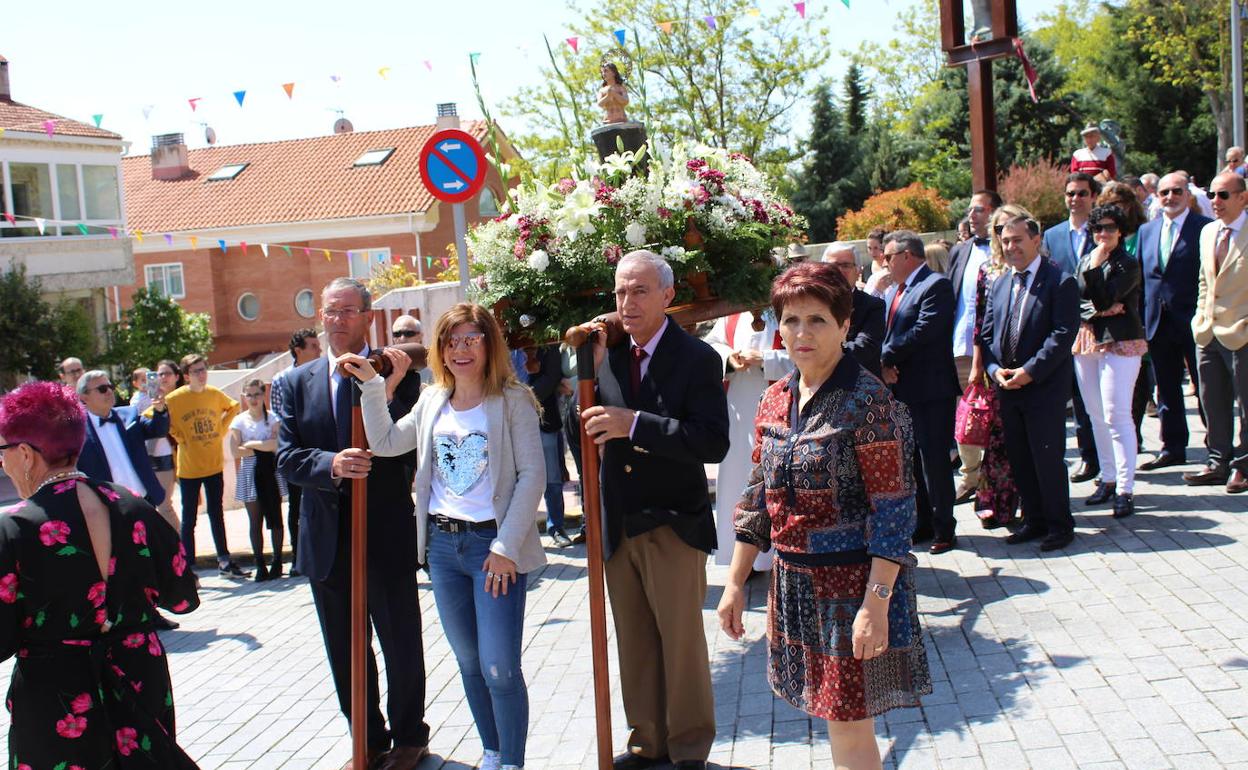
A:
[403,333]
[105,388]
[1223,194]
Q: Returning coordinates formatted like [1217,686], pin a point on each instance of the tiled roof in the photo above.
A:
[15,116]
[296,180]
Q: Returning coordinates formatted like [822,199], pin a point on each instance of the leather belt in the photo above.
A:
[455,526]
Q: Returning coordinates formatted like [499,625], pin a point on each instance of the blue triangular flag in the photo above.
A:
[619,35]
[222,245]
[240,95]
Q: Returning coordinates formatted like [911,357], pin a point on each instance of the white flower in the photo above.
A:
[539,260]
[578,212]
[513,221]
[635,234]
[673,253]
[527,320]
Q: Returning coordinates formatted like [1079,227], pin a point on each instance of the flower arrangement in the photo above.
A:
[550,263]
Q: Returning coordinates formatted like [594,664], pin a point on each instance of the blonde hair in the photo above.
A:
[937,257]
[499,374]
[999,217]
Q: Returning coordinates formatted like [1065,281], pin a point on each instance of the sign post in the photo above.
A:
[453,169]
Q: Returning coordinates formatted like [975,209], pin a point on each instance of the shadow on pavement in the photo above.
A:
[190,641]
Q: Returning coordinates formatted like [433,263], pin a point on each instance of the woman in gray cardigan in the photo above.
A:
[480,475]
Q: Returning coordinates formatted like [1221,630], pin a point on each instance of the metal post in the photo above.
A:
[461,246]
[1237,74]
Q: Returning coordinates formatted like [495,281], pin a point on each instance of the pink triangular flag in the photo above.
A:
[575,42]
[800,8]
[194,102]
[113,232]
[307,252]
[49,126]
[12,219]
[428,65]
[242,245]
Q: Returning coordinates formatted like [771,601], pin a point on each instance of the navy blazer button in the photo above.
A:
[628,469]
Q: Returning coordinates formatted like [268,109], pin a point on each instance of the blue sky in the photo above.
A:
[80,58]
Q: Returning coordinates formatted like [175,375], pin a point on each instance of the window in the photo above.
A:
[305,303]
[83,193]
[364,262]
[32,195]
[100,193]
[487,204]
[67,194]
[374,157]
[249,306]
[227,172]
[165,280]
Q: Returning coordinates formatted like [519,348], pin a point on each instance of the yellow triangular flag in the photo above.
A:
[755,12]
[194,243]
[384,72]
[326,252]
[139,235]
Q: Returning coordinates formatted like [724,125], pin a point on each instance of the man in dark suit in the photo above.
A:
[314,451]
[1030,324]
[866,319]
[662,415]
[114,449]
[917,360]
[1065,243]
[1170,258]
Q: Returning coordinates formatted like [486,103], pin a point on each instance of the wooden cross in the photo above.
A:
[977,58]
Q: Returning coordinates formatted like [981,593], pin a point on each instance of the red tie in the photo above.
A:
[638,354]
[892,309]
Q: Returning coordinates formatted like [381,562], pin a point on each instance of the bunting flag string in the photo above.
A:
[240,95]
[289,88]
[575,43]
[97,119]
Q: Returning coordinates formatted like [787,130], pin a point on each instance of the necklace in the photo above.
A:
[55,477]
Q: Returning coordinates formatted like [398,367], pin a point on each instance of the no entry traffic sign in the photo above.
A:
[452,165]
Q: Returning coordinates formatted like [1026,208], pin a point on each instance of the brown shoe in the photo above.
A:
[374,759]
[404,758]
[1209,477]
[965,493]
[1237,484]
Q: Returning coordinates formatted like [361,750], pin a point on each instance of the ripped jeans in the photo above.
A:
[485,634]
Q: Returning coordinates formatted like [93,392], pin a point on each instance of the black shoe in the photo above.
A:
[922,535]
[295,573]
[630,761]
[579,537]
[262,574]
[1084,472]
[1057,542]
[162,623]
[275,570]
[233,570]
[943,545]
[1124,505]
[1163,459]
[1103,494]
[560,538]
[1026,534]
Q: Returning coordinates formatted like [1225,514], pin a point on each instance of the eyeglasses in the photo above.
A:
[4,447]
[466,341]
[345,313]
[1104,227]
[403,333]
[105,388]
[1171,191]
[1223,194]
[976,209]
[1078,193]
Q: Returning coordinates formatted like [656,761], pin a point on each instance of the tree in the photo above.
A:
[830,181]
[155,327]
[909,65]
[730,83]
[857,97]
[27,328]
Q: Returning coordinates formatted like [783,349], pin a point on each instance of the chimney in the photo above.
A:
[169,159]
[448,115]
[6,95]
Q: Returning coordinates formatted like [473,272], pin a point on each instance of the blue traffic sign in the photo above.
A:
[453,166]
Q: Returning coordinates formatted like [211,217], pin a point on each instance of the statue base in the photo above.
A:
[630,133]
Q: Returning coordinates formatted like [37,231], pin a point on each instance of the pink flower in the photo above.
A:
[181,605]
[71,726]
[151,593]
[134,641]
[23,766]
[127,740]
[8,588]
[108,493]
[64,486]
[101,616]
[179,562]
[664,213]
[566,185]
[53,533]
[137,685]
[81,704]
[112,566]
[95,594]
[613,253]
[140,533]
[153,645]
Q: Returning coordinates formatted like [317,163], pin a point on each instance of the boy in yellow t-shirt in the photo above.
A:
[199,416]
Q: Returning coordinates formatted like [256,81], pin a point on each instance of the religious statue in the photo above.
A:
[613,96]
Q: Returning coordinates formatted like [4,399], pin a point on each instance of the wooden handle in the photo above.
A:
[359,592]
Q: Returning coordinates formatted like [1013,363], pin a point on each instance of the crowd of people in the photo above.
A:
[848,419]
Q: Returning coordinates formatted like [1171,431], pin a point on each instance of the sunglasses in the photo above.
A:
[403,333]
[1223,194]
[1108,227]
[1078,193]
[105,388]
[466,341]
[1171,191]
[976,210]
[4,447]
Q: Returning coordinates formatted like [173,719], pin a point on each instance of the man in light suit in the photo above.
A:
[1030,324]
[1065,243]
[662,415]
[114,449]
[314,451]
[1220,327]
[1170,258]
[917,361]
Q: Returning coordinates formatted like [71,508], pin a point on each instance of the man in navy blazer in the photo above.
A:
[114,449]
[1029,326]
[1170,258]
[314,451]
[917,361]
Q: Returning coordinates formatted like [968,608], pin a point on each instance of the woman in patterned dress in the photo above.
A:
[82,562]
[832,489]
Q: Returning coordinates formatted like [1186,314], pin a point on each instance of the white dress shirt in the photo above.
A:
[964,314]
[119,464]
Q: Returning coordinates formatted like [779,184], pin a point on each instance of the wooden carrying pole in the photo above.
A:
[359,591]
[591,502]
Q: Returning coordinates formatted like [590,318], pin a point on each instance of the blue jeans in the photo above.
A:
[552,450]
[485,634]
[214,488]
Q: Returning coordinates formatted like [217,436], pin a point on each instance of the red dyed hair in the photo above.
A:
[820,281]
[48,416]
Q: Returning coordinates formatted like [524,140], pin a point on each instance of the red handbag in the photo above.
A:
[973,420]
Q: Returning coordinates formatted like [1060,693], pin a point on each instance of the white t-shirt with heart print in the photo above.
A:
[461,465]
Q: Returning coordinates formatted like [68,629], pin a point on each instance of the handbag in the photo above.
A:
[973,419]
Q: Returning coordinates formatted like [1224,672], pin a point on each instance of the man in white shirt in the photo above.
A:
[114,449]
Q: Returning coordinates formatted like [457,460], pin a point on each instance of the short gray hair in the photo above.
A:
[837,247]
[666,278]
[1150,179]
[406,317]
[910,241]
[366,296]
[85,380]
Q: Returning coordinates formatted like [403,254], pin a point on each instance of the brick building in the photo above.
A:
[360,192]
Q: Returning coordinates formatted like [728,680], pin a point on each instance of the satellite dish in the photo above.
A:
[343,126]
[210,136]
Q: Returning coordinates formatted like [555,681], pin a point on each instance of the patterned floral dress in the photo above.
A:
[91,687]
[833,486]
[996,500]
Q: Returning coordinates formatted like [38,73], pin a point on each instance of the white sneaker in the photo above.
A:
[491,760]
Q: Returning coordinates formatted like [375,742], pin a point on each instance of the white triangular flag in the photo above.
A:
[41,224]
[264,247]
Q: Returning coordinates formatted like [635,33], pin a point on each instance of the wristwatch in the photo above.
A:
[880,590]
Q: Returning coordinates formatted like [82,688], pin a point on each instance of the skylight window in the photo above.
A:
[374,157]
[227,172]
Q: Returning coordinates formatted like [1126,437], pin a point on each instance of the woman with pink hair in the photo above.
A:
[82,565]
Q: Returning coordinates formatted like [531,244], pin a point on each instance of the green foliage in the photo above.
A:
[914,207]
[28,329]
[155,327]
[830,182]
[857,98]
[945,170]
[74,330]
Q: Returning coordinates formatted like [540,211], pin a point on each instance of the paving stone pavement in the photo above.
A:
[1128,650]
